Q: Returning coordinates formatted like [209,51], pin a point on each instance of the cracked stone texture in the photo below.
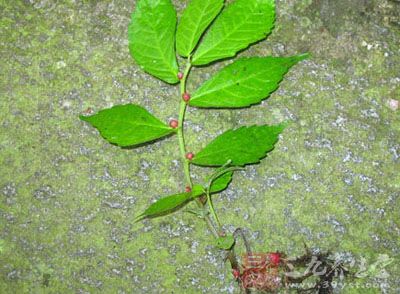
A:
[68,197]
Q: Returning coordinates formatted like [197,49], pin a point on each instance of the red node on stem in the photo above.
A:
[173,123]
[186,97]
[189,156]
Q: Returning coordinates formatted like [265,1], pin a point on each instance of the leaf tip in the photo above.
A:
[283,125]
[84,117]
[139,218]
[86,114]
[303,56]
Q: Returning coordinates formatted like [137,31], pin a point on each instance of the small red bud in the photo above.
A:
[275,258]
[188,189]
[180,75]
[189,156]
[173,123]
[186,97]
[236,273]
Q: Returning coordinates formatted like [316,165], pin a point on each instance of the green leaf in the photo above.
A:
[151,35]
[197,191]
[128,125]
[240,24]
[195,19]
[170,203]
[245,82]
[245,145]
[166,205]
[225,242]
[221,183]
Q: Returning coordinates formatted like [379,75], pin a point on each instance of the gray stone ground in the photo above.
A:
[68,198]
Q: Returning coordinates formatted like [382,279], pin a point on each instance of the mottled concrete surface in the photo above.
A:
[68,197]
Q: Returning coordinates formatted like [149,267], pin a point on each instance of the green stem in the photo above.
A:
[211,206]
[182,110]
[182,145]
[224,169]
[181,120]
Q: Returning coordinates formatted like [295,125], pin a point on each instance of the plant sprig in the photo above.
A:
[203,35]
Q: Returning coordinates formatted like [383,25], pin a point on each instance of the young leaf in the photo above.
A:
[128,125]
[221,183]
[245,145]
[170,203]
[245,82]
[240,24]
[225,242]
[151,35]
[195,19]
[165,205]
